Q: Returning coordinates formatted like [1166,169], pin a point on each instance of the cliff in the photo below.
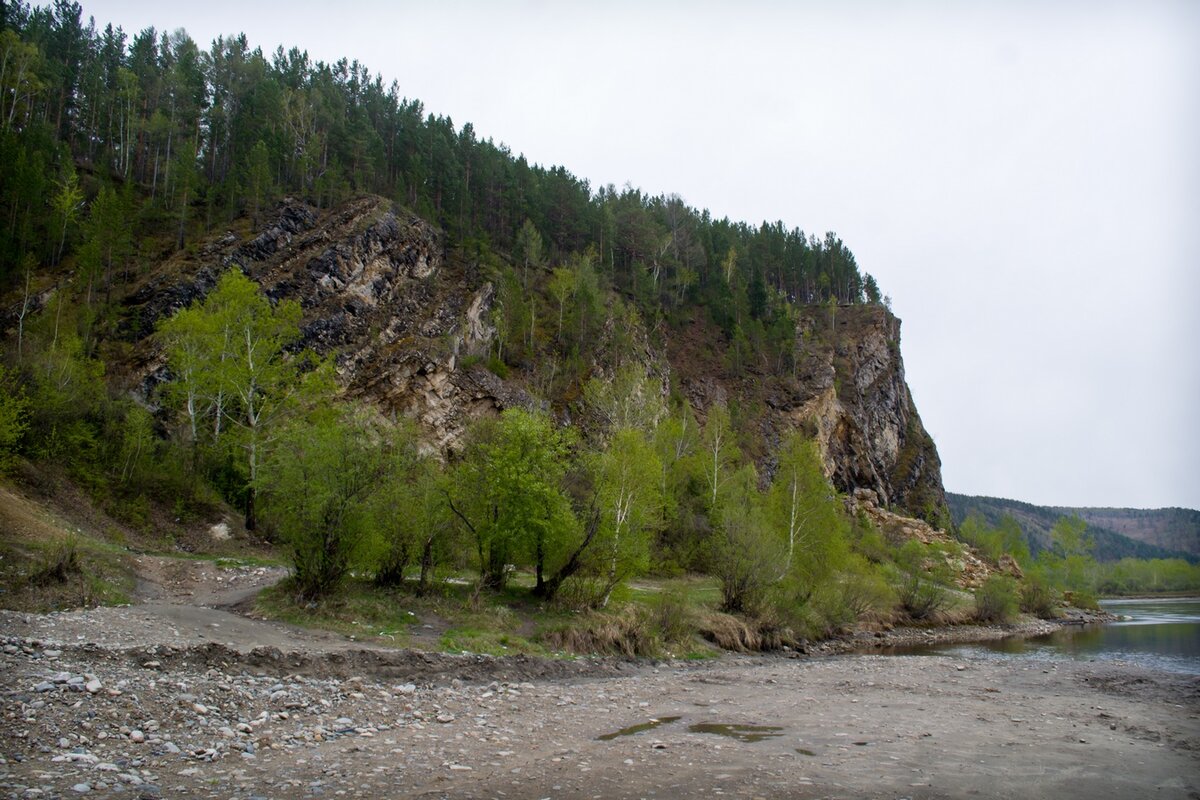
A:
[407,324]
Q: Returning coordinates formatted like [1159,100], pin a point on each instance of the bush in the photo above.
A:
[672,617]
[60,566]
[922,599]
[996,599]
[1038,597]
[14,409]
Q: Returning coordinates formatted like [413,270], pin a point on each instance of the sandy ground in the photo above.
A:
[172,698]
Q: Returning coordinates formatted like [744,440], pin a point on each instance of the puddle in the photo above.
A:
[804,752]
[743,733]
[632,729]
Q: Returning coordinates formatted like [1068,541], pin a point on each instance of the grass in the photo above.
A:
[48,565]
[62,572]
[650,618]
[361,611]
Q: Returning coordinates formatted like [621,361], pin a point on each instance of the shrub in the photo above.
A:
[996,599]
[1038,597]
[864,591]
[922,599]
[14,409]
[60,565]
[671,616]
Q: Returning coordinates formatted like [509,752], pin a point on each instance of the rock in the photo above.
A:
[445,718]
[82,788]
[93,686]
[136,736]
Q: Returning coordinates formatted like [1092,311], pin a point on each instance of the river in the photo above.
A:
[1161,633]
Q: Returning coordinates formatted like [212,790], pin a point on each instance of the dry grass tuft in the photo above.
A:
[745,635]
[627,632]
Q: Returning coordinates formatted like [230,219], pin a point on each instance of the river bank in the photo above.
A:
[905,636]
[763,726]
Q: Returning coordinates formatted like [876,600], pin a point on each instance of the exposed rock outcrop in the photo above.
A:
[375,292]
[862,413]
[408,329]
[968,569]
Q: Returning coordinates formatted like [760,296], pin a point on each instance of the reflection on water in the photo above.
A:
[1160,633]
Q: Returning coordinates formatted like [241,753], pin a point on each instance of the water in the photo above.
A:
[730,730]
[1161,633]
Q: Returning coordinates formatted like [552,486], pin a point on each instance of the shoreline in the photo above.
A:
[873,726]
[873,642]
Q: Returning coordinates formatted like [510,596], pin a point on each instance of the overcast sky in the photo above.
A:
[1023,179]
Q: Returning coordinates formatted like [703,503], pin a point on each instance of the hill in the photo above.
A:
[1118,533]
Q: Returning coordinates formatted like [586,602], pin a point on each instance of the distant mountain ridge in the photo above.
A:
[1118,532]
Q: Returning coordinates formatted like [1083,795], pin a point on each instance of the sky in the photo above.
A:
[1022,178]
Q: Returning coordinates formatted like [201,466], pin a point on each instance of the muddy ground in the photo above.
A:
[178,697]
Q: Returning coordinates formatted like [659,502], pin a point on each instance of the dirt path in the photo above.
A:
[176,696]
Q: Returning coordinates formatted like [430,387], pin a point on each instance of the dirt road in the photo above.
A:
[176,699]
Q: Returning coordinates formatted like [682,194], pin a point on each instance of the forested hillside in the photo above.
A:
[189,137]
[1175,529]
[1177,526]
[234,280]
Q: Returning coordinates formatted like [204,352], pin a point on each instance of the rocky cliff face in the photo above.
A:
[403,322]
[376,293]
[846,388]
[858,404]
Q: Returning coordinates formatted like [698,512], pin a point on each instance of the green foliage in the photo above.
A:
[992,543]
[803,507]
[1148,576]
[626,479]
[14,411]
[411,519]
[507,492]
[1038,595]
[746,553]
[1069,566]
[317,485]
[921,591]
[997,599]
[227,356]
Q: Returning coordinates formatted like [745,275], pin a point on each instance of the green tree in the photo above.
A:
[507,491]
[317,485]
[66,203]
[14,409]
[108,239]
[631,399]
[528,251]
[718,451]
[410,512]
[803,507]
[626,477]
[186,180]
[562,288]
[231,350]
[746,550]
[258,178]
